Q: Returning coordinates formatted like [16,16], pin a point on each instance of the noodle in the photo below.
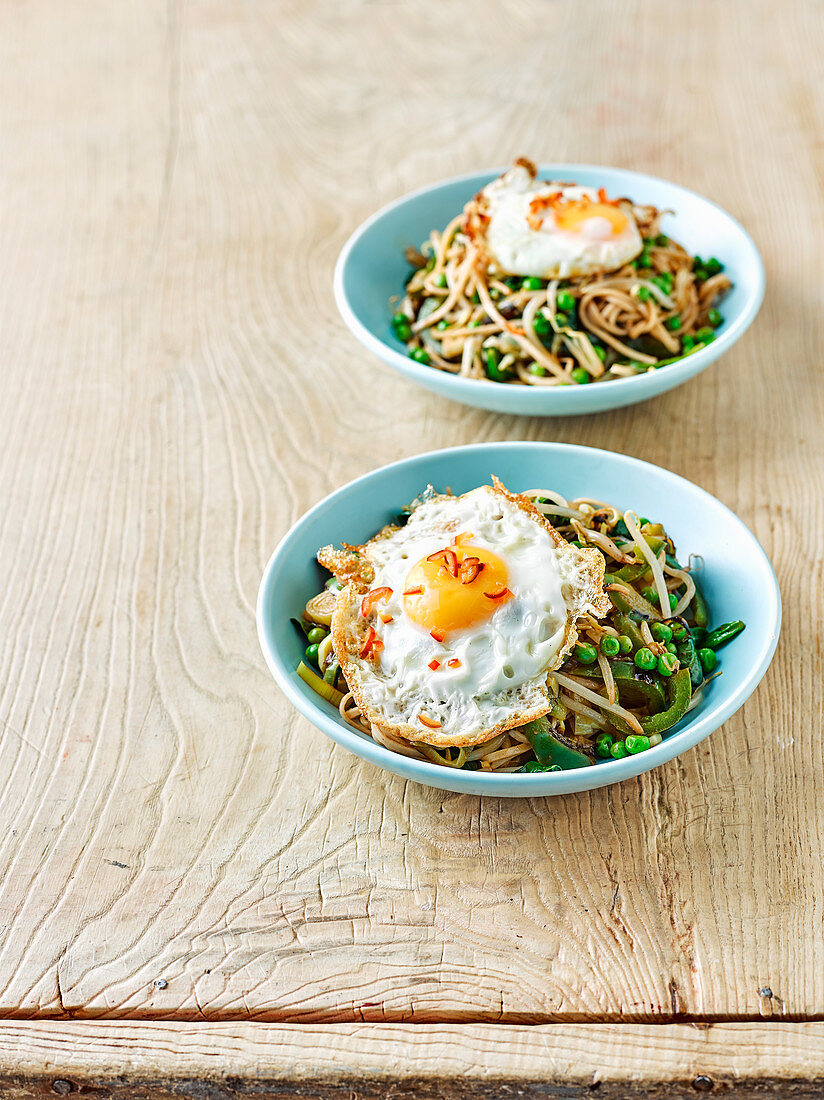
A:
[614,684]
[461,315]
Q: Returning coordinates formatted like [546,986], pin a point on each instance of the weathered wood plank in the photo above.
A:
[176,183]
[158,1060]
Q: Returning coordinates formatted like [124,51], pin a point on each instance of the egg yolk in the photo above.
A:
[572,216]
[440,602]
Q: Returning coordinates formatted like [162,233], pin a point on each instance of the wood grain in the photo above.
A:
[177,843]
[227,1060]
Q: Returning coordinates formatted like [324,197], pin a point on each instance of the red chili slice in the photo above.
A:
[432,723]
[373,597]
[454,663]
[384,618]
[416,591]
[438,635]
[434,664]
[499,595]
[368,645]
[448,558]
[470,568]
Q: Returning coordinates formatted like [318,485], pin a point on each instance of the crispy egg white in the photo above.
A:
[553,230]
[460,616]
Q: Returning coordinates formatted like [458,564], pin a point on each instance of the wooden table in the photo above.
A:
[199,892]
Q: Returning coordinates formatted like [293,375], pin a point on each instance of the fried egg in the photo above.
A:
[447,628]
[549,229]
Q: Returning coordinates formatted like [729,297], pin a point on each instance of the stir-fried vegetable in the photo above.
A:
[627,681]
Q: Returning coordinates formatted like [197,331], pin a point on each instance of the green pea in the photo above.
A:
[420,355]
[474,324]
[637,742]
[495,294]
[687,343]
[661,632]
[673,601]
[708,659]
[663,281]
[600,352]
[542,325]
[440,280]
[625,644]
[587,654]
[679,631]
[672,647]
[667,664]
[538,370]
[402,327]
[316,634]
[610,647]
[650,594]
[565,302]
[645,659]
[705,334]
[715,318]
[603,745]
[618,751]
[442,325]
[533,284]
[580,376]
[644,294]
[312,653]
[673,323]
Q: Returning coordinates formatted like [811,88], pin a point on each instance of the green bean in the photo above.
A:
[724,634]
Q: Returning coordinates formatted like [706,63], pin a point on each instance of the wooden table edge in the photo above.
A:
[159,1059]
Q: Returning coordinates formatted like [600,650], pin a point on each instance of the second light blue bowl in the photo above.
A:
[371,269]
[736,577]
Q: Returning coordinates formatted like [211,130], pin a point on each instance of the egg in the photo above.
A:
[552,230]
[447,628]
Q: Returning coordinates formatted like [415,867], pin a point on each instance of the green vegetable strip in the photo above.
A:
[680,693]
[329,693]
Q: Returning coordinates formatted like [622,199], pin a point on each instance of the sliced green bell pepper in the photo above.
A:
[680,693]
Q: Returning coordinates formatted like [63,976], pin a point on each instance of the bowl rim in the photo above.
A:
[536,784]
[690,365]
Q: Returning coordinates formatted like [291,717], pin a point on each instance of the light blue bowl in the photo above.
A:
[371,269]
[737,579]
